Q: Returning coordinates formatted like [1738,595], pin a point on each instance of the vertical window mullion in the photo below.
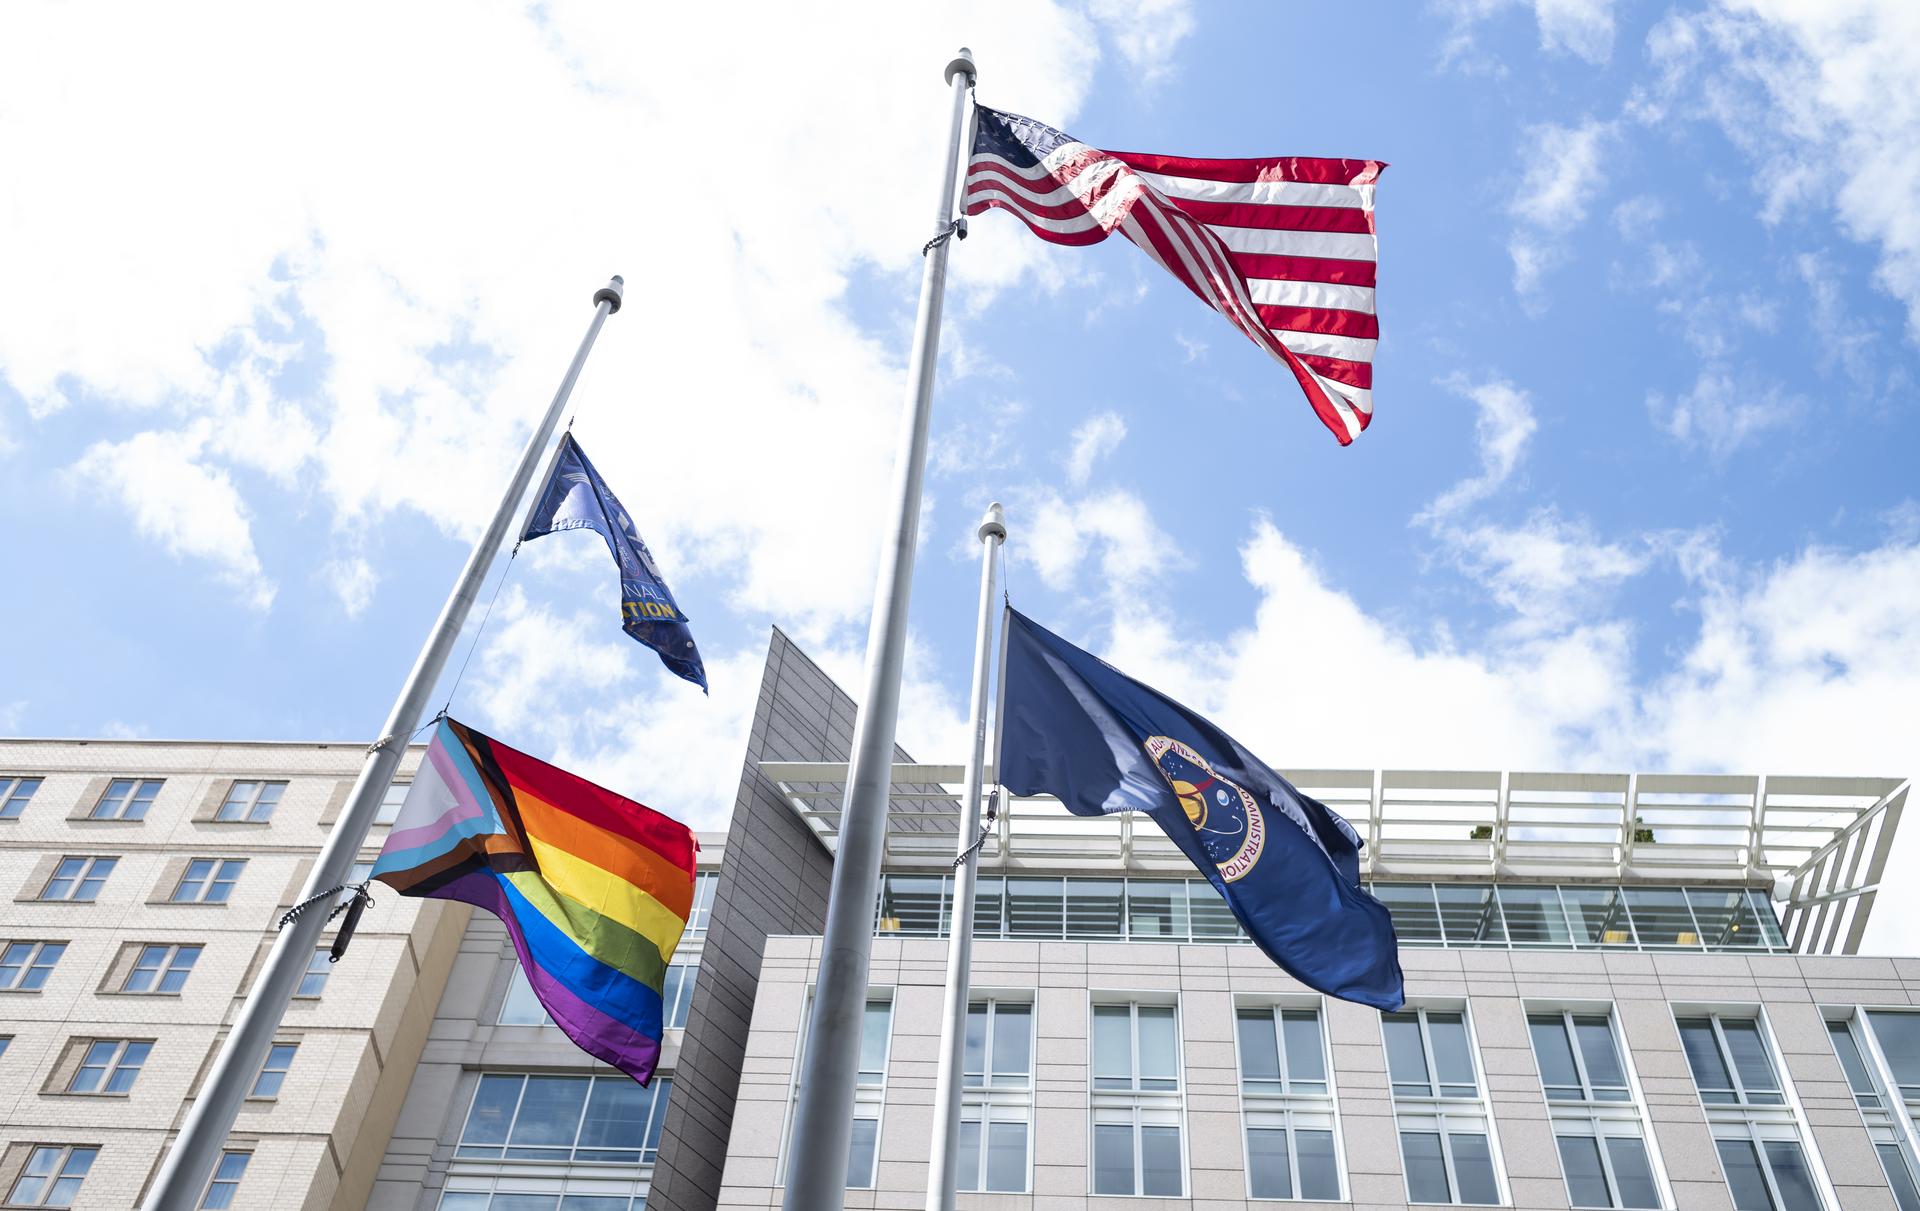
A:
[1606,1163]
[1726,1057]
[1275,1018]
[1579,1061]
[1766,1168]
[1446,1151]
[1433,1067]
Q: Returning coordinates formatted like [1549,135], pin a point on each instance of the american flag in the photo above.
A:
[1282,247]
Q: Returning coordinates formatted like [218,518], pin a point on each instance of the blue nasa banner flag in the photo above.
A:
[1289,868]
[576,498]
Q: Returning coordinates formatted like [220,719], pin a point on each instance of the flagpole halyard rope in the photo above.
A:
[477,632]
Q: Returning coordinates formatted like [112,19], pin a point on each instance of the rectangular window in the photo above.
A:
[1534,916]
[126,799]
[1287,1104]
[15,794]
[250,803]
[876,1031]
[1871,1080]
[313,981]
[52,1176]
[1470,915]
[1756,1133]
[704,885]
[273,1070]
[109,1066]
[208,881]
[161,968]
[78,879]
[996,1102]
[1599,1130]
[1157,909]
[25,966]
[226,1181]
[1136,1101]
[391,801]
[676,994]
[597,1119]
[1443,1119]
[521,1007]
[913,905]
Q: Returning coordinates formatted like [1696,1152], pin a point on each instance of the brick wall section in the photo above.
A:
[1642,988]
[774,881]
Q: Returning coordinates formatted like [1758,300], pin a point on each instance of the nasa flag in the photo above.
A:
[576,498]
[1288,867]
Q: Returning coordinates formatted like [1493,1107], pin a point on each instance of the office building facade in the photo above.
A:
[1623,991]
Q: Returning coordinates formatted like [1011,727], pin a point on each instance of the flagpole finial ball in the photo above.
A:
[610,293]
[994,524]
[962,65]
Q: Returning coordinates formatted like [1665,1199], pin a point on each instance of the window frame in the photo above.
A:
[219,1177]
[253,802]
[13,801]
[135,794]
[208,881]
[658,1094]
[1445,1115]
[869,1097]
[32,962]
[87,874]
[1902,1114]
[1756,1123]
[320,963]
[64,1154]
[993,1102]
[1595,1118]
[1135,1107]
[170,956]
[382,816]
[292,1049]
[115,1064]
[1288,1105]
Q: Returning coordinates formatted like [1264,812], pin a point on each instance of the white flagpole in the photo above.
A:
[823,1114]
[189,1163]
[942,1169]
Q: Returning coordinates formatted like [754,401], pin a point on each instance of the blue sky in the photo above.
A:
[1637,493]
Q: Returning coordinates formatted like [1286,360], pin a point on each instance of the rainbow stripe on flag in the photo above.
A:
[594,888]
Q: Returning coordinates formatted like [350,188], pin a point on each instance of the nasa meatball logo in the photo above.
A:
[1223,816]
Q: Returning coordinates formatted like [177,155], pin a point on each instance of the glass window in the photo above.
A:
[1112,1047]
[1094,908]
[1750,1060]
[1425,1167]
[1791,1175]
[1407,1055]
[860,1153]
[78,879]
[1469,914]
[15,794]
[999,1044]
[1157,909]
[51,1177]
[875,1031]
[601,1119]
[109,1066]
[704,884]
[1853,1064]
[1159,1047]
[1452,1054]
[1606,1076]
[1473,1166]
[1005,1162]
[161,969]
[1598,916]
[1632,1172]
[1533,916]
[1319,1170]
[313,981]
[273,1071]
[1741,1163]
[1586,1178]
[1306,1055]
[1035,908]
[1595,1073]
[226,1181]
[1729,1060]
[126,799]
[391,802]
[1416,916]
[208,880]
[676,994]
[521,1007]
[1269,1168]
[1160,1168]
[1906,1193]
[251,802]
[912,905]
[1725,917]
[1711,1076]
[1267,1035]
[1259,1052]
[1212,919]
[1769,924]
[989,907]
[25,966]
[1112,1158]
[1554,1052]
[1661,917]
[1899,1037]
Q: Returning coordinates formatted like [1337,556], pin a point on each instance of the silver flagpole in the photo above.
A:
[942,1169]
[823,1116]
[189,1163]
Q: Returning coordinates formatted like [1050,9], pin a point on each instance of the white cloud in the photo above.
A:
[1824,96]
[1583,28]
[1564,170]
[189,508]
[374,350]
[1503,425]
[1146,32]
[1720,416]
[1094,439]
[1114,527]
[353,581]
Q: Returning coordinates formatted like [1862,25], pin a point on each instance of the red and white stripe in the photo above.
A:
[1283,248]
